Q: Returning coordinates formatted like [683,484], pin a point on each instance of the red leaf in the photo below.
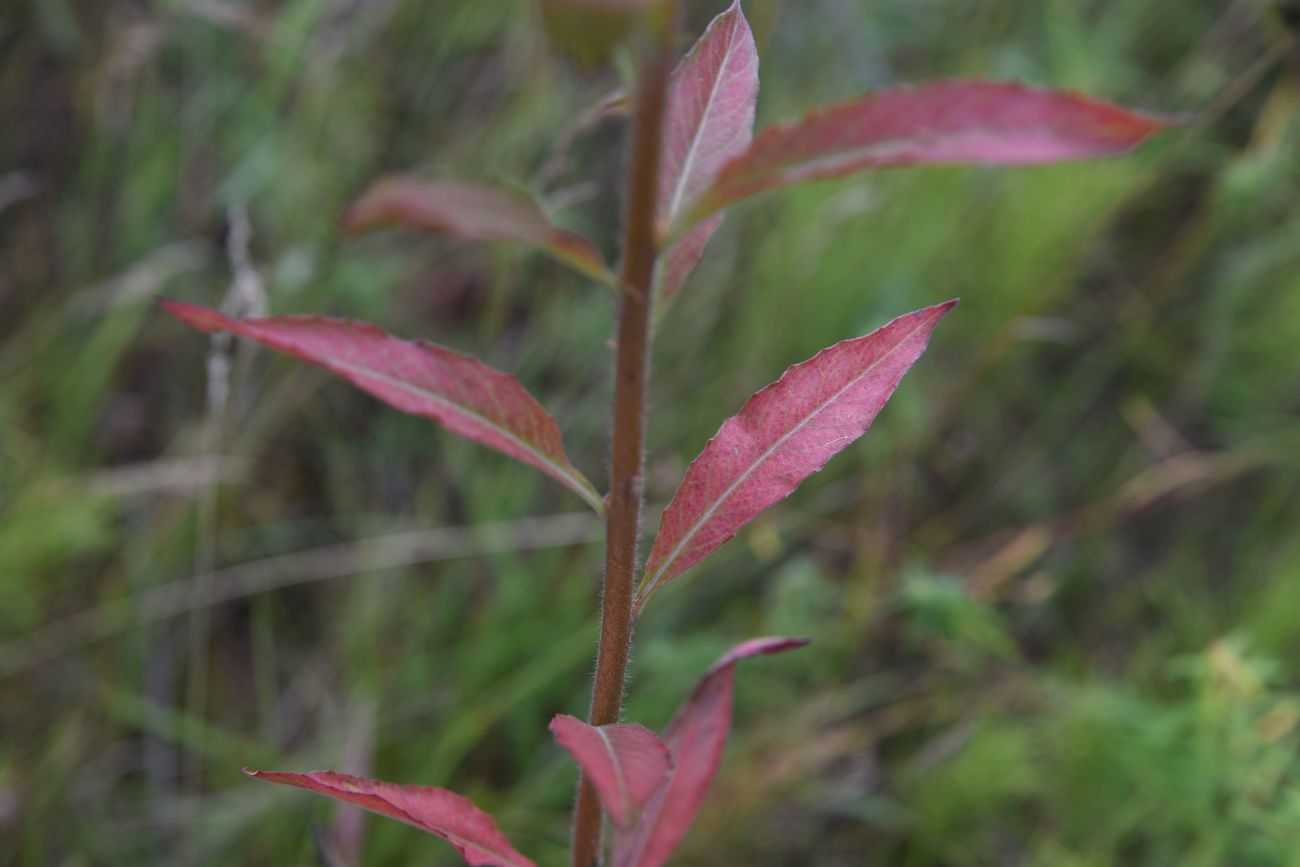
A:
[679,260]
[945,122]
[459,391]
[445,814]
[785,433]
[476,212]
[709,120]
[696,737]
[626,763]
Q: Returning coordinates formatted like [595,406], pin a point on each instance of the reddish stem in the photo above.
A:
[631,378]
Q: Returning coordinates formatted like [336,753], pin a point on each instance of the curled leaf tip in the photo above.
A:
[755,647]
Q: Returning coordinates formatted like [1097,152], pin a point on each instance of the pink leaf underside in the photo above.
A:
[476,212]
[458,391]
[696,737]
[680,259]
[785,433]
[445,814]
[954,122]
[709,120]
[626,763]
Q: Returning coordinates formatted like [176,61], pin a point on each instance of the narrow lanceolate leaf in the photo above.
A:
[476,212]
[945,122]
[709,120]
[458,391]
[785,433]
[710,113]
[445,814]
[696,737]
[626,762]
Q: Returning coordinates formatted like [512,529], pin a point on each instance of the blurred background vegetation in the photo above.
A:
[1054,593]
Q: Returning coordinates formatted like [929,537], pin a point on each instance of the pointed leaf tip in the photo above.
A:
[444,814]
[944,122]
[696,737]
[755,647]
[196,317]
[474,212]
[782,435]
[625,762]
[420,378]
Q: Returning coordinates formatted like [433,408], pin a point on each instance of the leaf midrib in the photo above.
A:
[623,800]
[459,840]
[688,164]
[566,472]
[649,585]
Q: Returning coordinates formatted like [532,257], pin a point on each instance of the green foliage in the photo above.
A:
[1047,636]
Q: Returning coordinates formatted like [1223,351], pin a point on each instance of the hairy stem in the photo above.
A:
[631,377]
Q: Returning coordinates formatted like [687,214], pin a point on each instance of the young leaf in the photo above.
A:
[421,378]
[445,814]
[476,212]
[785,433]
[709,120]
[945,122]
[626,763]
[696,737]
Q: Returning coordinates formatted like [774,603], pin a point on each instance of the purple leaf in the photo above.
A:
[421,378]
[445,814]
[476,212]
[944,122]
[785,433]
[709,120]
[626,763]
[696,737]
[679,260]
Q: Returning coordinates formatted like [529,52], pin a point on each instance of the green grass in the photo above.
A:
[1053,594]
